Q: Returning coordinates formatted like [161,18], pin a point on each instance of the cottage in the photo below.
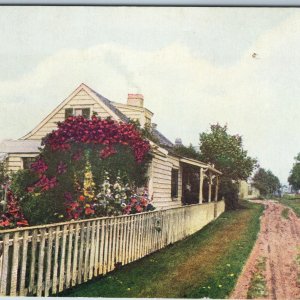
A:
[247,190]
[173,180]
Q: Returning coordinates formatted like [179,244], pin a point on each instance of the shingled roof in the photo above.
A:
[163,141]
[109,104]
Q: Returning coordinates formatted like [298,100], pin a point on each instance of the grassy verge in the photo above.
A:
[285,213]
[292,203]
[258,288]
[205,264]
[298,267]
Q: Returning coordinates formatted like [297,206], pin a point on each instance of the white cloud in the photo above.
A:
[257,97]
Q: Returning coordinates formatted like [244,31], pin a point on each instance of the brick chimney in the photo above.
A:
[135,100]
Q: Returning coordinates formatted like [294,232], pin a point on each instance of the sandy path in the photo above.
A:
[278,241]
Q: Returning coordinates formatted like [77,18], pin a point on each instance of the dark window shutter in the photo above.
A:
[68,112]
[86,113]
[174,183]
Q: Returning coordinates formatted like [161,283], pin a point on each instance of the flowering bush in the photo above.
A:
[11,215]
[112,199]
[97,132]
[86,168]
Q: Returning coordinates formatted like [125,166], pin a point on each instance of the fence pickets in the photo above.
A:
[45,260]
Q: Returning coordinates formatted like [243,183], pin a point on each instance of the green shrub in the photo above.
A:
[230,191]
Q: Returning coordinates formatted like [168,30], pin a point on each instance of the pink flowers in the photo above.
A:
[61,168]
[77,155]
[39,166]
[96,131]
[138,203]
[107,151]
[44,184]
[13,216]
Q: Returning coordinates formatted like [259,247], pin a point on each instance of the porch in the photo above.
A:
[200,182]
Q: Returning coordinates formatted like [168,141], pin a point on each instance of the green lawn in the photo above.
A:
[293,203]
[205,264]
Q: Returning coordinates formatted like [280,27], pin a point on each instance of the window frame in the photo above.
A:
[31,160]
[82,108]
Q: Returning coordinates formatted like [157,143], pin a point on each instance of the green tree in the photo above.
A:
[266,182]
[189,151]
[226,152]
[3,172]
[294,178]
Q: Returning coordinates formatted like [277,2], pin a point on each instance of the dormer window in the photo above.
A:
[85,112]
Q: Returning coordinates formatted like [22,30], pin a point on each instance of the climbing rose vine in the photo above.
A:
[99,132]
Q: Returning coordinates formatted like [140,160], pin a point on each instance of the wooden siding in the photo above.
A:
[135,113]
[15,162]
[161,181]
[80,100]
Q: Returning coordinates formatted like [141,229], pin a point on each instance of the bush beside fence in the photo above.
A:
[45,260]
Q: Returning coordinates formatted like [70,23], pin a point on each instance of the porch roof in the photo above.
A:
[198,163]
[19,146]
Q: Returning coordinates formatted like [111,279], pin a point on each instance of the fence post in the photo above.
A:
[24,262]
[15,264]
[49,261]
[41,262]
[3,286]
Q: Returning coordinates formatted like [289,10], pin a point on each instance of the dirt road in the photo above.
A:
[279,245]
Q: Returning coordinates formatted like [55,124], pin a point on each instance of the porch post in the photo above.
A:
[201,186]
[217,188]
[209,186]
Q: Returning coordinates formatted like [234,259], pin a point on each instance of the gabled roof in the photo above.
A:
[110,107]
[98,98]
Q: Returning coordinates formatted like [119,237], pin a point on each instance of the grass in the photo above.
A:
[257,288]
[298,266]
[285,213]
[293,203]
[205,264]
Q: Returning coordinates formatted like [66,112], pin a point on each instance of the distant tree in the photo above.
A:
[266,182]
[226,152]
[294,178]
[189,151]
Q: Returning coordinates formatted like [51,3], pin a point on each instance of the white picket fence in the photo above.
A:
[45,260]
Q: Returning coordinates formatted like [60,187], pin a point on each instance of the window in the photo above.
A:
[249,190]
[27,161]
[174,183]
[85,112]
[68,112]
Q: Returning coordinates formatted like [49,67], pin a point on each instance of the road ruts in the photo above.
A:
[279,242]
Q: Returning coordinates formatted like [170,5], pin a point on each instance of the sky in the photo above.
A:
[194,66]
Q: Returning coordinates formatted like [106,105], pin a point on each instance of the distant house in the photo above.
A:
[173,180]
[247,190]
